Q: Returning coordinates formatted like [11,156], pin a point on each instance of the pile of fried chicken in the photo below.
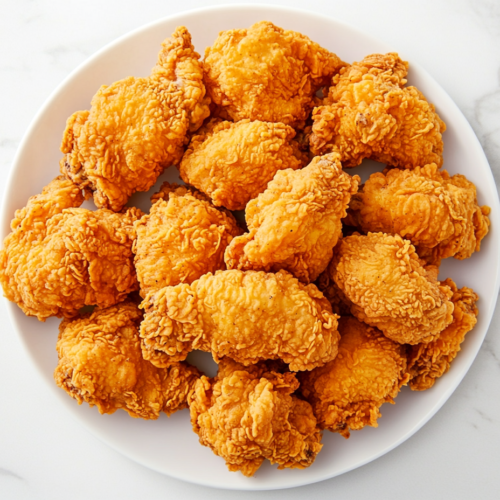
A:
[318,311]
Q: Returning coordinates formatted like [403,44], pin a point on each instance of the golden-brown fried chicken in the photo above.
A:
[389,288]
[100,362]
[427,362]
[295,223]
[439,214]
[136,127]
[233,162]
[247,316]
[183,237]
[248,414]
[59,258]
[267,73]
[340,304]
[347,393]
[369,113]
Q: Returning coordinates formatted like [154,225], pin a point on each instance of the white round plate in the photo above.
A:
[168,445]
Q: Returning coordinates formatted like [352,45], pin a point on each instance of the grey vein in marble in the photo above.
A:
[6,472]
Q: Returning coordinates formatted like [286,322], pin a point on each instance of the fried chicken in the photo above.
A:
[389,288]
[247,316]
[136,127]
[100,362]
[347,393]
[233,162]
[340,304]
[267,73]
[248,414]
[295,223]
[369,113]
[438,213]
[183,237]
[427,362]
[59,258]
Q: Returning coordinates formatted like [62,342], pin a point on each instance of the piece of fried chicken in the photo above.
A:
[369,113]
[267,73]
[438,213]
[233,162]
[247,316]
[59,258]
[183,237]
[136,127]
[100,363]
[249,414]
[295,223]
[428,362]
[369,370]
[389,288]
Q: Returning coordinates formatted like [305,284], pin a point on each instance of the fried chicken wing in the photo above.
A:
[183,237]
[100,363]
[347,393]
[295,223]
[136,127]
[389,288]
[428,362]
[59,258]
[233,162]
[247,316]
[249,414]
[369,113]
[267,73]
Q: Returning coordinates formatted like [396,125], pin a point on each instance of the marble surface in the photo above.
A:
[44,454]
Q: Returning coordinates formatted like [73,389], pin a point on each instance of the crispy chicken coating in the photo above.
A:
[100,363]
[233,162]
[267,73]
[438,213]
[369,113]
[427,362]
[369,370]
[136,127]
[295,223]
[183,237]
[340,304]
[389,288]
[248,414]
[59,258]
[247,316]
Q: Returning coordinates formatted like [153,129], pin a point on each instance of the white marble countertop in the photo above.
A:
[44,454]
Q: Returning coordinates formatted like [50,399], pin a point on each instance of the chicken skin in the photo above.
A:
[369,113]
[295,223]
[249,414]
[183,237]
[233,162]
[369,370]
[136,127]
[59,258]
[100,363]
[428,362]
[267,73]
[438,213]
[389,288]
[247,316]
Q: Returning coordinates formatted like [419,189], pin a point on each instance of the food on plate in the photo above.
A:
[182,238]
[248,414]
[295,223]
[327,286]
[369,370]
[136,127]
[267,73]
[369,113]
[247,316]
[389,288]
[427,362]
[438,213]
[233,162]
[59,258]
